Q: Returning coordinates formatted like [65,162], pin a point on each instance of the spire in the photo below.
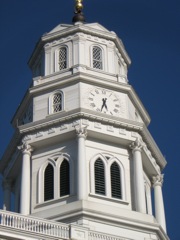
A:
[79,16]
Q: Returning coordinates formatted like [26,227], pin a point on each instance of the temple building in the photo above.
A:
[82,164]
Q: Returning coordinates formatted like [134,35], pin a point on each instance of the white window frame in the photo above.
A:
[51,101]
[57,58]
[102,55]
[55,161]
[41,179]
[107,172]
[122,177]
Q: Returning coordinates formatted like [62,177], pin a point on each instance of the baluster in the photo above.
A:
[17,223]
[2,219]
[5,220]
[38,227]
[43,227]
[12,221]
[9,218]
[46,228]
[56,231]
[60,231]
[25,225]
[34,227]
[53,226]
[67,232]
[21,222]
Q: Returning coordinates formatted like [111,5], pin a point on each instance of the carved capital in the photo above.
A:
[81,132]
[25,148]
[158,180]
[136,145]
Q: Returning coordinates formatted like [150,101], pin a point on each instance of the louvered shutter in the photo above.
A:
[99,177]
[64,178]
[49,183]
[115,181]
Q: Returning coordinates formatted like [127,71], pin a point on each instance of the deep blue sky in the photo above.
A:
[150,31]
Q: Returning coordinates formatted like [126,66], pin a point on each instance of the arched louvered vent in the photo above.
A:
[57,102]
[49,183]
[99,177]
[64,178]
[62,58]
[115,181]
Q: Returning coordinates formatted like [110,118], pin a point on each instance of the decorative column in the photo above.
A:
[81,164]
[26,150]
[139,190]
[158,200]
[7,195]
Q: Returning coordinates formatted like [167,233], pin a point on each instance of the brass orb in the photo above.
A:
[79,6]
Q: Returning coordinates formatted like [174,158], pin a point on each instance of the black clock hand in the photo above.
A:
[104,104]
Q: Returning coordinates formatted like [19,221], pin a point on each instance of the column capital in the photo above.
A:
[25,148]
[81,132]
[136,145]
[158,180]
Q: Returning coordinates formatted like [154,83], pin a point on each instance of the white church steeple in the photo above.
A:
[81,141]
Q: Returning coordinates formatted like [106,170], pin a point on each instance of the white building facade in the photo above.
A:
[82,163]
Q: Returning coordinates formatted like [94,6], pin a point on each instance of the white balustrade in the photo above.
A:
[31,224]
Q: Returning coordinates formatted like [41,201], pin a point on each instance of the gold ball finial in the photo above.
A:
[79,6]
[79,16]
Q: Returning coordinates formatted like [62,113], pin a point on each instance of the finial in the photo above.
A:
[78,17]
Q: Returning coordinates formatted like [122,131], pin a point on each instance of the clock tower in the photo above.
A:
[82,159]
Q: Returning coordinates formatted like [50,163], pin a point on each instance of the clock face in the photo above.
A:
[104,101]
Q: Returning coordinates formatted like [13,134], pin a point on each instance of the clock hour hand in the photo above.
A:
[104,104]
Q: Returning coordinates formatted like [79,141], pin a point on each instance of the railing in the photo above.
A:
[32,224]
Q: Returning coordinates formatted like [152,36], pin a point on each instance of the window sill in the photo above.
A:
[116,200]
[53,201]
[56,113]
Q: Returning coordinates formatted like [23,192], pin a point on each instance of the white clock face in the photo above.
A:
[104,101]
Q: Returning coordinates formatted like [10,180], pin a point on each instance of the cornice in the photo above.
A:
[69,117]
[111,120]
[101,81]
[86,29]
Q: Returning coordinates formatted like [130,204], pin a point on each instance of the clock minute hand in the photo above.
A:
[104,104]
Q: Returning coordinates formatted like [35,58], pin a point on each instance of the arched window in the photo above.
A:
[116,181]
[97,57]
[99,177]
[57,102]
[49,183]
[64,178]
[62,58]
